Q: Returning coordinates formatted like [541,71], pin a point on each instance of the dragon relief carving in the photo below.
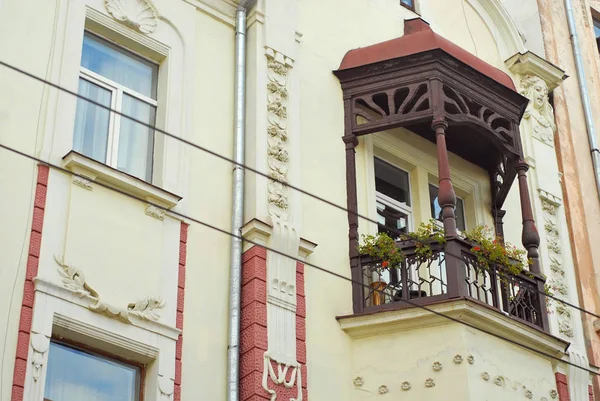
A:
[74,280]
[277,141]
[557,283]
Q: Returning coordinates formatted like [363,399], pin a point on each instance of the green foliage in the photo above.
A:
[382,247]
[490,250]
[426,234]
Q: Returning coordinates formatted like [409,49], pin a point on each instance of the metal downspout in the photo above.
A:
[583,89]
[237,208]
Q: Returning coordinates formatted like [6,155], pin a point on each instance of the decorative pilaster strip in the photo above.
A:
[277,136]
[35,242]
[558,284]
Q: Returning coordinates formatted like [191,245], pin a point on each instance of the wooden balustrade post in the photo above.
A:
[455,269]
[446,195]
[530,236]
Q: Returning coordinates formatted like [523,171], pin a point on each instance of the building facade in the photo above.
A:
[433,117]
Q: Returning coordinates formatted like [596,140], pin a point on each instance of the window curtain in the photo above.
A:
[92,121]
[136,140]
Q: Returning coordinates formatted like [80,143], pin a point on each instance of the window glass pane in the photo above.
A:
[74,375]
[392,181]
[597,32]
[91,121]
[136,141]
[436,210]
[409,3]
[119,65]
[394,220]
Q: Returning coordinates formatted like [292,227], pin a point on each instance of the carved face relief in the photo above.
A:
[539,109]
[540,94]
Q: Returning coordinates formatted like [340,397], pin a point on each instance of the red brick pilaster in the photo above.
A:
[562,387]
[180,303]
[253,325]
[35,242]
[253,343]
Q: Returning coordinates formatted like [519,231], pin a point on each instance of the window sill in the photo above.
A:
[468,311]
[101,173]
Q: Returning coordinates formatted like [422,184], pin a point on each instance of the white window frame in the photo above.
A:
[116,103]
[400,206]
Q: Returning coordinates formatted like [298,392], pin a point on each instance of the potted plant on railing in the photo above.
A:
[490,250]
[382,248]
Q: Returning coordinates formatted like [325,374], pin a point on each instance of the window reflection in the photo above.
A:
[76,375]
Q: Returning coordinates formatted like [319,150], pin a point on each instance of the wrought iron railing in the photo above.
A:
[451,271]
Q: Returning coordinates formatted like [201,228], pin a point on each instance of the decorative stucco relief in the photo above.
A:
[539,111]
[279,377]
[39,346]
[155,212]
[82,182]
[166,387]
[550,207]
[74,280]
[136,14]
[277,138]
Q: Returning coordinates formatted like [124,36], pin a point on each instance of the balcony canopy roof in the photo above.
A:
[422,77]
[419,37]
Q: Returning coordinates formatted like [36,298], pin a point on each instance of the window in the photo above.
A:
[394,212]
[410,4]
[123,81]
[436,210]
[597,32]
[75,375]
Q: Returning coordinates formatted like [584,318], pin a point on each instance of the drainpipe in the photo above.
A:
[585,98]
[237,208]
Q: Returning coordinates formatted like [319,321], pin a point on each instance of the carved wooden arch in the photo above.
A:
[413,91]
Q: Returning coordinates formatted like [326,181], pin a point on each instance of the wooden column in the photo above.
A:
[530,237]
[351,141]
[446,195]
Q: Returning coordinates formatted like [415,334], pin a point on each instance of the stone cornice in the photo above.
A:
[480,316]
[529,63]
[259,232]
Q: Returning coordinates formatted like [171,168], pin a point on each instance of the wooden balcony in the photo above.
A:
[452,272]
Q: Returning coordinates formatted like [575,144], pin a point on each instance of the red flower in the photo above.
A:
[477,248]
[384,263]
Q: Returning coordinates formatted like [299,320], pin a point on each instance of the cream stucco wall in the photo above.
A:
[21,126]
[127,254]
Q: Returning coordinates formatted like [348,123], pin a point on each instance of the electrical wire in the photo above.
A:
[225,158]
[319,268]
